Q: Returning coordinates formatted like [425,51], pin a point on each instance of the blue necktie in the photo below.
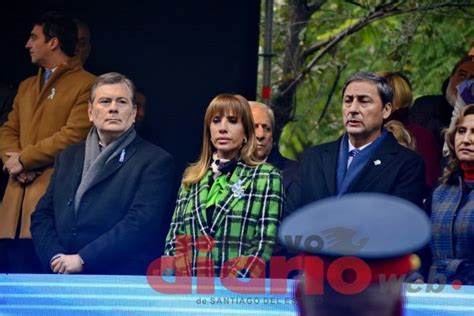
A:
[354,152]
[47,74]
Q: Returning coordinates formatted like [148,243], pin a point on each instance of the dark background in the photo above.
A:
[179,53]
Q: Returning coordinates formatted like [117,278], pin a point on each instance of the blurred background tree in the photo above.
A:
[317,44]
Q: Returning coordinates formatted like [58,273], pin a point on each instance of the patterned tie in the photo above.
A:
[47,74]
[354,152]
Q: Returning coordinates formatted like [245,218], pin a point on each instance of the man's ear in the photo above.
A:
[134,113]
[53,43]
[387,110]
[90,113]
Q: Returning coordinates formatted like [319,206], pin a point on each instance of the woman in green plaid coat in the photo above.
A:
[230,204]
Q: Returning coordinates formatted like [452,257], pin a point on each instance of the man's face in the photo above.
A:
[83,46]
[363,112]
[112,111]
[464,72]
[39,48]
[263,131]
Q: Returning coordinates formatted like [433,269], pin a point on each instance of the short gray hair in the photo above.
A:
[112,78]
[384,89]
[266,107]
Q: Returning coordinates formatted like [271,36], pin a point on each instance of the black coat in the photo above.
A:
[287,167]
[122,220]
[393,170]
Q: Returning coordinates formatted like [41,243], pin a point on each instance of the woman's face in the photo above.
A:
[227,135]
[464,139]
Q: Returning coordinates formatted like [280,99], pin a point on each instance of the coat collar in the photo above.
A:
[330,157]
[109,169]
[73,63]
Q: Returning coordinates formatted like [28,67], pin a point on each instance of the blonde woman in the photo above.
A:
[229,204]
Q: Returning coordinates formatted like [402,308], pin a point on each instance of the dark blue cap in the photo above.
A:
[365,225]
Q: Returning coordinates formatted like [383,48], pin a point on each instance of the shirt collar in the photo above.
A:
[351,147]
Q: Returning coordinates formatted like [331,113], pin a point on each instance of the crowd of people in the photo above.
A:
[86,194]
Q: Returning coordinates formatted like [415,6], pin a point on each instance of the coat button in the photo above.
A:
[69,202]
[74,232]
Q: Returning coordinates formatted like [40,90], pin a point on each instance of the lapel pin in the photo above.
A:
[52,93]
[122,155]
[377,162]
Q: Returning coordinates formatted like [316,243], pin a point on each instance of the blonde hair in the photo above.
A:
[223,104]
[402,94]
[401,134]
[449,134]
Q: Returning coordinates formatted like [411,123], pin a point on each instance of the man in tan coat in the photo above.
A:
[49,113]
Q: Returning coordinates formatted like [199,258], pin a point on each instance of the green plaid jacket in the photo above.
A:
[244,224]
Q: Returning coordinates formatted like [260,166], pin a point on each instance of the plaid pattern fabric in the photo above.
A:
[243,230]
[452,224]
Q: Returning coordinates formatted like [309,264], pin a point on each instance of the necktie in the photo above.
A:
[47,74]
[354,152]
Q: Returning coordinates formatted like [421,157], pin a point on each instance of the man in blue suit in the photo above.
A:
[366,158]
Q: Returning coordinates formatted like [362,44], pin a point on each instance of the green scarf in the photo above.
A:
[215,194]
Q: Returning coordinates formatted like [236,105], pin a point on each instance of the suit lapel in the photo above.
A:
[330,158]
[377,164]
[238,183]
[77,167]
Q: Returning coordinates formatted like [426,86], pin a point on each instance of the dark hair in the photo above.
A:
[460,62]
[384,89]
[62,27]
[452,167]
[113,78]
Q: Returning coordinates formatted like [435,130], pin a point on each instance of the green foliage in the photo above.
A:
[423,45]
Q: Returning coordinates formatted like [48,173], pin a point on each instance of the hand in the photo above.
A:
[13,165]
[26,177]
[67,264]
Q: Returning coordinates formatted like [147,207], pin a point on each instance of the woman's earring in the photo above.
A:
[245,140]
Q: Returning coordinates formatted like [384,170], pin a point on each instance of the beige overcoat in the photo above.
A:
[43,121]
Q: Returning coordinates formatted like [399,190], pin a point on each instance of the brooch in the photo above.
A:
[237,189]
[377,162]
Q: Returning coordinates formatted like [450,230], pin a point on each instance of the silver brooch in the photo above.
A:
[377,162]
[237,189]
